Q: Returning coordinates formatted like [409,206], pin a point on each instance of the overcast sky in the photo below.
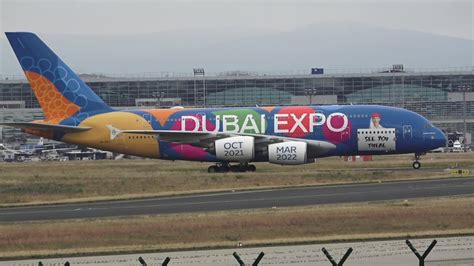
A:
[239,19]
[444,17]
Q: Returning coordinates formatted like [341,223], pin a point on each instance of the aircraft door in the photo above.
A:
[407,132]
[147,118]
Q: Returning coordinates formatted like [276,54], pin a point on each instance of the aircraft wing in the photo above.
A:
[62,128]
[204,139]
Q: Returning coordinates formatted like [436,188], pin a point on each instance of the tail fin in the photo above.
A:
[59,91]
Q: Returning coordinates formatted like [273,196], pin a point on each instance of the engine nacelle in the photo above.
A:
[290,152]
[235,149]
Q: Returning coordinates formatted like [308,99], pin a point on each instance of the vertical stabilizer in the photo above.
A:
[59,91]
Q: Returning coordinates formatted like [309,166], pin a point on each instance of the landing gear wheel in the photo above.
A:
[234,168]
[416,165]
[224,168]
[251,168]
[212,169]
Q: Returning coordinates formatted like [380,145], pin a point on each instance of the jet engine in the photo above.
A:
[290,152]
[235,149]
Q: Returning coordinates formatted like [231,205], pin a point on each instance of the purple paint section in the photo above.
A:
[337,137]
[189,152]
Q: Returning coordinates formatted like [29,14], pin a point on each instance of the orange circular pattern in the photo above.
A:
[55,106]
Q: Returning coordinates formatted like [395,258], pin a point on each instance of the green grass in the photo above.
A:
[42,182]
[337,222]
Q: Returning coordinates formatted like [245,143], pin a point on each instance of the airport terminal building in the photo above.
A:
[439,95]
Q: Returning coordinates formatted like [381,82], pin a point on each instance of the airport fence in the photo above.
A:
[421,257]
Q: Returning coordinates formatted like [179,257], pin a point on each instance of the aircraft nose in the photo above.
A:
[434,138]
[439,139]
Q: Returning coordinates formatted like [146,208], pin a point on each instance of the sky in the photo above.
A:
[453,18]
[444,17]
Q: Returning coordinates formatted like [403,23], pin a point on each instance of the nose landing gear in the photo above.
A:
[226,167]
[416,164]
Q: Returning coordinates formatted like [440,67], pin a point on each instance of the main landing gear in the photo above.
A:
[226,167]
[416,163]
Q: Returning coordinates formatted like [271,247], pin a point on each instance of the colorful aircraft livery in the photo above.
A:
[288,135]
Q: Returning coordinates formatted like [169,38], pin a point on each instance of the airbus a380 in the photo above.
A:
[230,137]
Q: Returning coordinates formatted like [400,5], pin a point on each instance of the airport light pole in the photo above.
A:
[199,72]
[195,88]
[464,89]
[204,88]
[158,95]
[310,92]
[3,120]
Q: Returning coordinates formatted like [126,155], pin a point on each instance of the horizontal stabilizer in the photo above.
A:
[61,128]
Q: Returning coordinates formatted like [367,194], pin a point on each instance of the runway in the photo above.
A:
[232,200]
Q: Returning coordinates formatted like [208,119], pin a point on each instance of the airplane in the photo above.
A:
[25,149]
[231,138]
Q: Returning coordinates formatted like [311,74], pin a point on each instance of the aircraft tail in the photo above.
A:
[59,91]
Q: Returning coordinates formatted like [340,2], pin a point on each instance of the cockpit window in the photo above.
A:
[429,125]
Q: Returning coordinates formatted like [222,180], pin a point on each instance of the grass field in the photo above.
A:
[46,182]
[339,222]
